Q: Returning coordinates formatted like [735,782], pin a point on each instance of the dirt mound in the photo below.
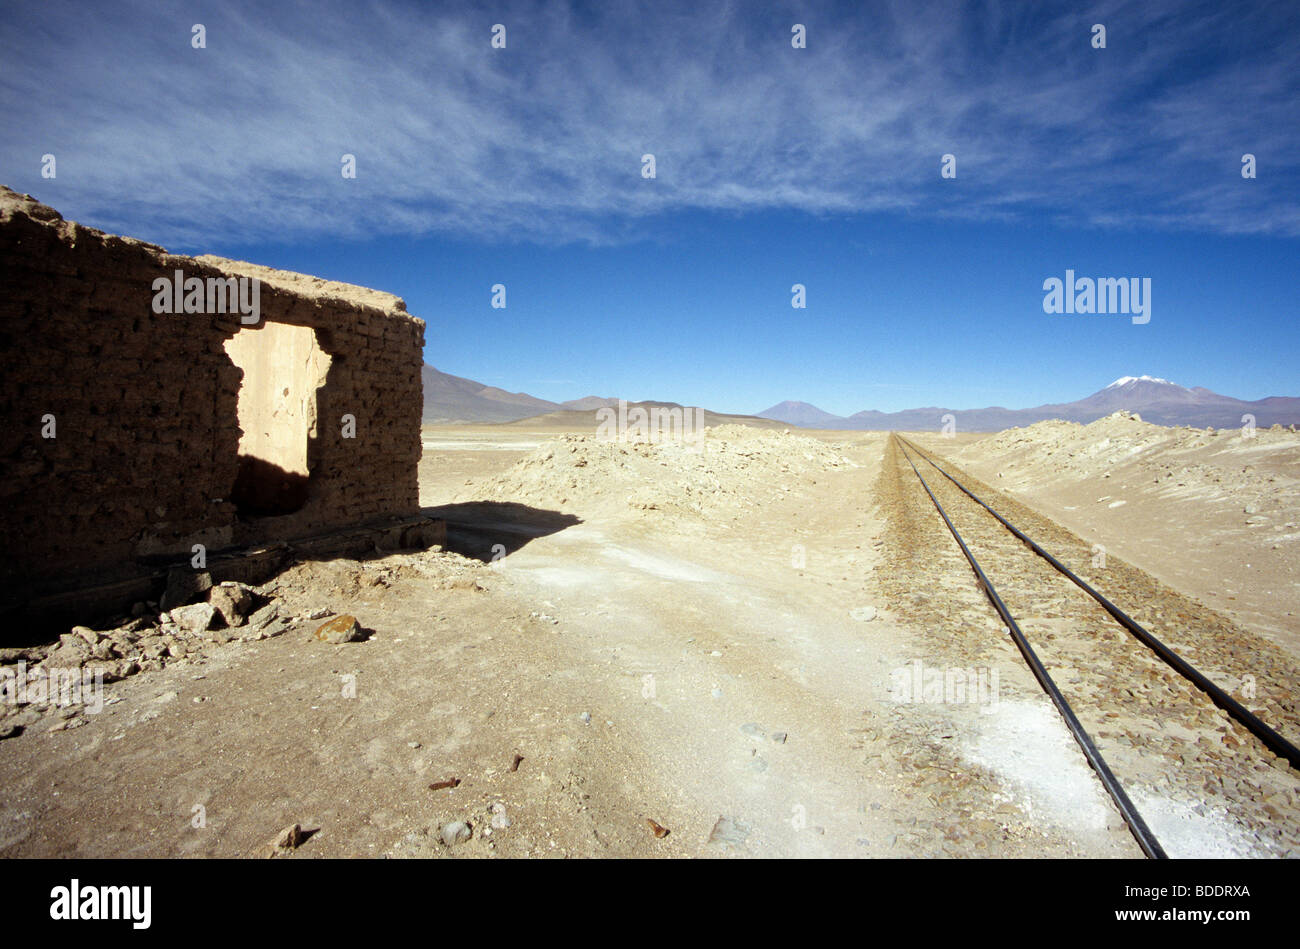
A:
[1259,470]
[732,467]
[306,583]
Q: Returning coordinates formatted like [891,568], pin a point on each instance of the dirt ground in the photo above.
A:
[1215,514]
[626,650]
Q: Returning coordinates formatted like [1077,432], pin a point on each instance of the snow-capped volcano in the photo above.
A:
[1127,380]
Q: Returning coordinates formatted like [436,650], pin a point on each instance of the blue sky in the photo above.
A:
[775,166]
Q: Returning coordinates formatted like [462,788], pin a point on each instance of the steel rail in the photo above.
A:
[1260,729]
[1141,832]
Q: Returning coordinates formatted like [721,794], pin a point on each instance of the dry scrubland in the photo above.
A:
[637,649]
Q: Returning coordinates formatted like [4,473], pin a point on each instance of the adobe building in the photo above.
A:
[157,406]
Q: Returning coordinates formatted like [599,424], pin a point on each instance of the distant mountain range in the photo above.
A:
[1156,400]
[450,398]
[579,419]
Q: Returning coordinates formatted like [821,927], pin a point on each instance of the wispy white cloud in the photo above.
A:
[542,141]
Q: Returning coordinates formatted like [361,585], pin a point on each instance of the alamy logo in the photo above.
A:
[917,684]
[61,686]
[103,902]
[1103,295]
[656,424]
[181,294]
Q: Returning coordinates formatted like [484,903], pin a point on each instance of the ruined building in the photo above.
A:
[159,408]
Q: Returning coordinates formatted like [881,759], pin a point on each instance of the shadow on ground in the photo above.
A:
[488,530]
[482,530]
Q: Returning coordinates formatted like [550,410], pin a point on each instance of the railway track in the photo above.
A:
[995,541]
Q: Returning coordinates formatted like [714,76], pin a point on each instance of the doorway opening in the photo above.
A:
[284,367]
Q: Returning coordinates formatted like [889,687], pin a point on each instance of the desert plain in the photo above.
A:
[640,649]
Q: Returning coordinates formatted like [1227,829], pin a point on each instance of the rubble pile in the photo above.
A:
[196,616]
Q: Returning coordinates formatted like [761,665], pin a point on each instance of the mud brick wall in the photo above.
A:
[146,450]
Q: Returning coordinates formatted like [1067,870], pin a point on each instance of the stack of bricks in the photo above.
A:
[121,436]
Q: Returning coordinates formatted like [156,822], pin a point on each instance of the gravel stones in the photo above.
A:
[455,832]
[340,629]
[195,618]
[232,603]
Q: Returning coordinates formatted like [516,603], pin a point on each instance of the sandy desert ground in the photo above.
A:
[640,650]
[1212,513]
